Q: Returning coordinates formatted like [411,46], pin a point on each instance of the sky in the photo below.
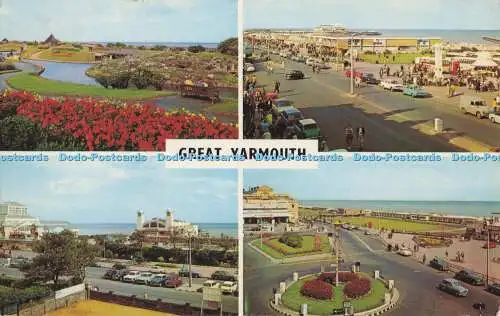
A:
[199,21]
[112,193]
[444,181]
[372,15]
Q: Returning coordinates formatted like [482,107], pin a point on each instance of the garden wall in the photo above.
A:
[44,307]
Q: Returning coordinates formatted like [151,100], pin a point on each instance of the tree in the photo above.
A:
[229,46]
[196,49]
[137,237]
[141,78]
[59,255]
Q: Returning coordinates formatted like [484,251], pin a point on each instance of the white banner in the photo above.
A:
[260,154]
[70,290]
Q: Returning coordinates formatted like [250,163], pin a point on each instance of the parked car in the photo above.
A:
[357,74]
[119,266]
[495,116]
[439,264]
[158,280]
[223,276]
[416,91]
[280,103]
[144,278]
[494,288]
[294,74]
[368,232]
[470,277]
[118,276]
[184,272]
[392,85]
[453,287]
[109,275]
[369,79]
[475,106]
[489,245]
[310,61]
[405,252]
[290,113]
[209,284]
[131,276]
[228,287]
[308,129]
[249,67]
[173,281]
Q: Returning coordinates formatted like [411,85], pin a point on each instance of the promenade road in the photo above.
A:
[393,121]
[416,282]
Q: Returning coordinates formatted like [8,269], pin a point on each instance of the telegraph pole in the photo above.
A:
[189,262]
[352,64]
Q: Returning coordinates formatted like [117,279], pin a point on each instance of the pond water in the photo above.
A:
[69,72]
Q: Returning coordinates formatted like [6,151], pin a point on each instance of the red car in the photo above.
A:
[357,74]
[490,245]
[173,280]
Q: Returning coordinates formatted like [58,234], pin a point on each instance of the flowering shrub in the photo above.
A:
[344,277]
[104,125]
[317,289]
[357,288]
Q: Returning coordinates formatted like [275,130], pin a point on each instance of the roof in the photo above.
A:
[307,121]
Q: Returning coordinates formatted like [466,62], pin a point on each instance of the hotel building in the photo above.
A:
[15,220]
[262,205]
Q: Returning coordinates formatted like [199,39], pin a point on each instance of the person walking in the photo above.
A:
[360,134]
[349,136]
[277,86]
[424,259]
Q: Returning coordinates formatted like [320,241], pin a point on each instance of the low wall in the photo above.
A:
[49,305]
[155,305]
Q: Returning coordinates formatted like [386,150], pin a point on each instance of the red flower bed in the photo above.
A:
[317,289]
[344,277]
[103,125]
[357,288]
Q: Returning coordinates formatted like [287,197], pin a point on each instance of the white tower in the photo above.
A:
[140,219]
[170,220]
[438,64]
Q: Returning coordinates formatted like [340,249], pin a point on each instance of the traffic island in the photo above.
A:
[291,247]
[356,293]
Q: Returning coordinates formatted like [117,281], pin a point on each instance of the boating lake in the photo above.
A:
[69,72]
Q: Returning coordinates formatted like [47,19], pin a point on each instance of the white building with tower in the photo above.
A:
[158,227]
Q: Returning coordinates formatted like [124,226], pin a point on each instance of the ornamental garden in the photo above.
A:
[323,297]
[293,245]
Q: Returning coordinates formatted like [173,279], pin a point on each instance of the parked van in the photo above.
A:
[475,106]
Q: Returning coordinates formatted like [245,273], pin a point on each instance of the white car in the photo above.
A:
[131,276]
[405,252]
[211,284]
[249,67]
[228,287]
[494,117]
[144,278]
[311,61]
[392,85]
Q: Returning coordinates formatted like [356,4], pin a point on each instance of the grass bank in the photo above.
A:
[308,243]
[35,84]
[293,299]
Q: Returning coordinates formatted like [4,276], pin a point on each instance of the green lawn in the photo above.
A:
[293,299]
[36,84]
[402,58]
[226,106]
[306,249]
[82,55]
[389,224]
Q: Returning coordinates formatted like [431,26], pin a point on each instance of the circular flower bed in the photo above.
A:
[101,124]
[317,289]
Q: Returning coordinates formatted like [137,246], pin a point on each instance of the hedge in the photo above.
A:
[317,289]
[358,287]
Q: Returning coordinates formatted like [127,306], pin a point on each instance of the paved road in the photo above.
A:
[24,67]
[415,282]
[389,118]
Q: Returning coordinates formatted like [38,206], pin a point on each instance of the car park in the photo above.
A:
[158,280]
[144,278]
[475,106]
[308,129]
[494,288]
[416,91]
[439,264]
[294,75]
[228,287]
[131,276]
[453,287]
[392,85]
[173,281]
[223,276]
[470,277]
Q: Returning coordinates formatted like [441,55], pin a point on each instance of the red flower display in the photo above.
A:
[317,289]
[357,288]
[104,125]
